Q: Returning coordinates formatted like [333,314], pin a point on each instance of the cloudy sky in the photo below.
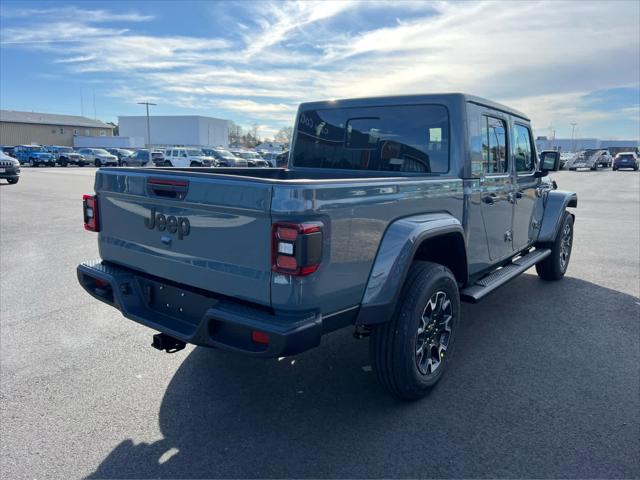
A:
[253,62]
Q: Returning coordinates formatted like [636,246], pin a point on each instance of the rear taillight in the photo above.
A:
[90,213]
[297,248]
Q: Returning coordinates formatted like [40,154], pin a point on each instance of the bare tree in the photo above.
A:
[284,135]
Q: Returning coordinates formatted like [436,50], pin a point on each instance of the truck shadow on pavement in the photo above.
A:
[518,400]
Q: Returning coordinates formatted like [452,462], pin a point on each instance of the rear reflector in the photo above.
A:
[297,248]
[259,337]
[90,213]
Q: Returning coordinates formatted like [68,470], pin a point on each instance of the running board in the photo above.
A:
[489,283]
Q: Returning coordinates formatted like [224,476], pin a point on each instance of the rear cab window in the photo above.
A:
[402,138]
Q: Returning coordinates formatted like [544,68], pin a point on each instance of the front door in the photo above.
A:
[525,194]
[496,187]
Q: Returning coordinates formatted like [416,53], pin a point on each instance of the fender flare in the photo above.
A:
[397,249]
[556,203]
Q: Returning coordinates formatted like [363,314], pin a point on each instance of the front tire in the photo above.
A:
[410,352]
[555,265]
[97,163]
[12,181]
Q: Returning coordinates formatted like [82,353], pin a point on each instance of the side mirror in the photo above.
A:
[549,161]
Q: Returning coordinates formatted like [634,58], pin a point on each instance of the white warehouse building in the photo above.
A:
[188,130]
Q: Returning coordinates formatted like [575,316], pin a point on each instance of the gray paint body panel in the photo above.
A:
[372,223]
[556,203]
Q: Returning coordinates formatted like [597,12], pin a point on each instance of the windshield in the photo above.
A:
[34,148]
[407,138]
[101,151]
[195,153]
[65,149]
[225,154]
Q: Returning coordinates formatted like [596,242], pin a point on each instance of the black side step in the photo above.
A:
[489,283]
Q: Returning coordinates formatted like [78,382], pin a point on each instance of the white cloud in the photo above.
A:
[81,14]
[542,57]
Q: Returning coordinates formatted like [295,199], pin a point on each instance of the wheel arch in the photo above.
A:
[556,203]
[436,237]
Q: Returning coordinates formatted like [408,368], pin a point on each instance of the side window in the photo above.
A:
[494,145]
[522,150]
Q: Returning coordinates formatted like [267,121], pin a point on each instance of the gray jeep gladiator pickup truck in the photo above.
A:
[391,211]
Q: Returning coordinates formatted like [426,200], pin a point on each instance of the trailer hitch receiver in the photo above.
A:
[162,341]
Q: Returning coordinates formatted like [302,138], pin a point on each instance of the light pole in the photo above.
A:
[148,126]
[573,131]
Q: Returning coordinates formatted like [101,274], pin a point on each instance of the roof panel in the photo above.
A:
[51,119]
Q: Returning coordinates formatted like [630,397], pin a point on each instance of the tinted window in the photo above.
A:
[494,145]
[522,151]
[412,138]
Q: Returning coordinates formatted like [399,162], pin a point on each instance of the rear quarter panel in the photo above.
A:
[355,217]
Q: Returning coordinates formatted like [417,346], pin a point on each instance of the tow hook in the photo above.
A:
[162,341]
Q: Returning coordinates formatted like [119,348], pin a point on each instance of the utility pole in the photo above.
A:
[148,126]
[573,131]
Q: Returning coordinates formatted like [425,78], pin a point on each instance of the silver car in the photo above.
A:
[99,157]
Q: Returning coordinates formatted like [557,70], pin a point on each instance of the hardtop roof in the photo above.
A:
[413,99]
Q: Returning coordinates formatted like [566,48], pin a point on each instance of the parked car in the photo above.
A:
[8,150]
[252,158]
[98,157]
[66,155]
[34,156]
[121,153]
[9,168]
[282,160]
[225,158]
[374,226]
[626,160]
[591,159]
[270,158]
[565,157]
[187,157]
[140,158]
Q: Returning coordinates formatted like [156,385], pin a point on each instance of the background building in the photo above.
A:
[24,128]
[577,144]
[189,130]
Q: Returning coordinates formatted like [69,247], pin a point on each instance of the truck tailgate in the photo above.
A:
[208,231]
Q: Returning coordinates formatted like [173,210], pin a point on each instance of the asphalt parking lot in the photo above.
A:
[545,382]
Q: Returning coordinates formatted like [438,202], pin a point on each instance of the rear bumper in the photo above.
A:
[199,317]
[625,165]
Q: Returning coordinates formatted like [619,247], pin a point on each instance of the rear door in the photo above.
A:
[200,230]
[526,194]
[496,184]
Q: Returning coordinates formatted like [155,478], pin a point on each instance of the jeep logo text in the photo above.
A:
[169,223]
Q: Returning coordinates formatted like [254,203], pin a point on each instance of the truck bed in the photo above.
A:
[231,213]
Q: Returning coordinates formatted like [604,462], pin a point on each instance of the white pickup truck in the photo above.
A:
[187,157]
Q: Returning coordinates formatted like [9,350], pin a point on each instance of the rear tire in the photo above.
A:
[408,351]
[124,164]
[167,163]
[12,181]
[555,265]
[97,163]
